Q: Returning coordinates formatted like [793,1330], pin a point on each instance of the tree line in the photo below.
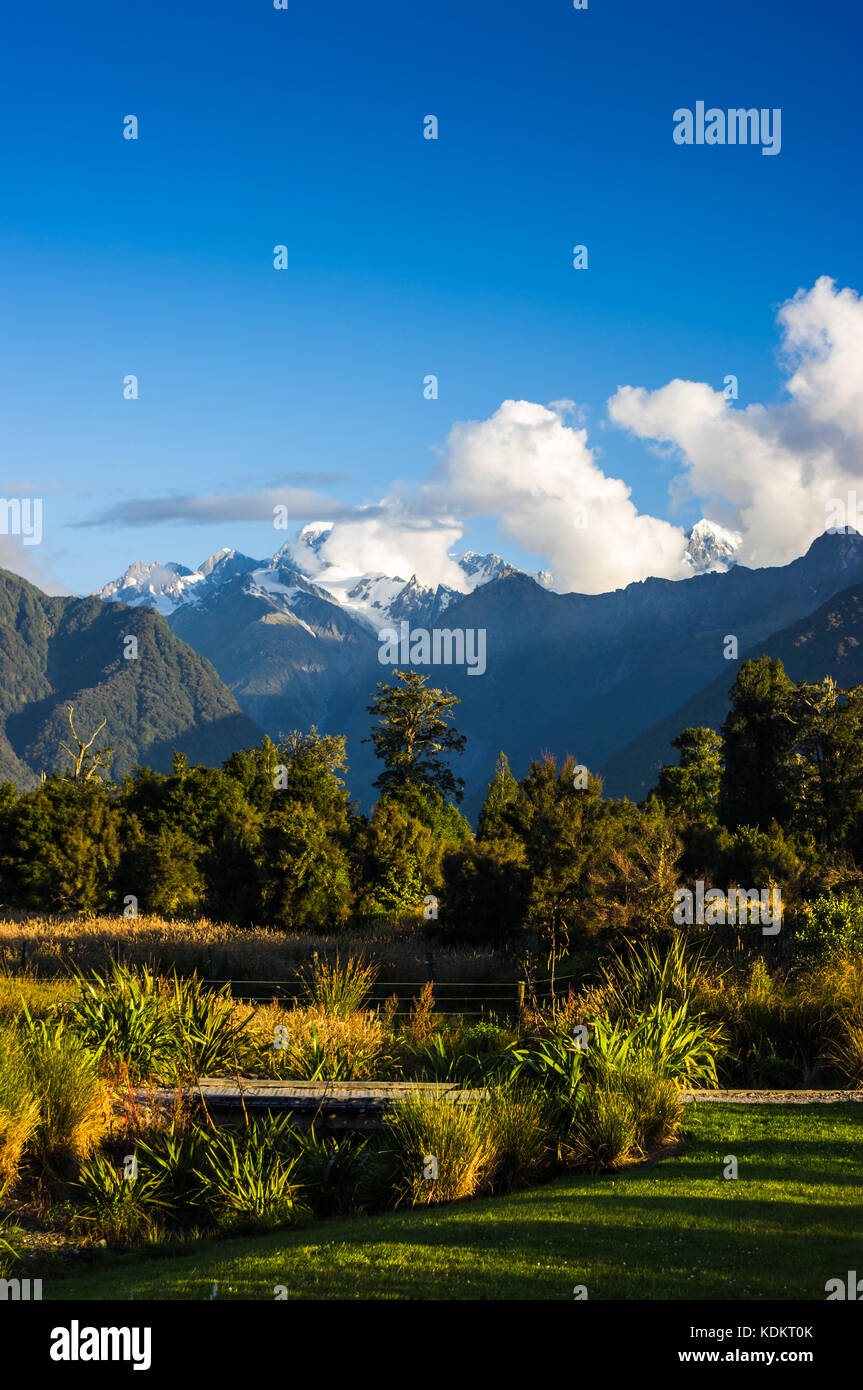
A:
[273,837]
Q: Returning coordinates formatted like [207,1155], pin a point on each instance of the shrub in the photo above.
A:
[19,1107]
[73,1102]
[430,1127]
[829,927]
[519,1122]
[604,1132]
[116,1208]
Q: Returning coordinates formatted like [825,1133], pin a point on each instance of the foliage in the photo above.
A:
[73,1103]
[112,1207]
[830,927]
[428,1127]
[339,988]
[413,736]
[246,1178]
[19,1106]
[519,1121]
[692,788]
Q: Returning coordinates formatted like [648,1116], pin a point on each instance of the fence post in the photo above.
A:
[24,953]
[209,963]
[519,999]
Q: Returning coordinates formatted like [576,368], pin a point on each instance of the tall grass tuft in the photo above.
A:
[519,1122]
[604,1133]
[339,989]
[318,1047]
[19,1106]
[644,974]
[430,1127]
[656,1106]
[73,1100]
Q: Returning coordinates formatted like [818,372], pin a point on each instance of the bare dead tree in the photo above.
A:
[87,766]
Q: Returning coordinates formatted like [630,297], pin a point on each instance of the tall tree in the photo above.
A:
[501,794]
[830,743]
[760,783]
[561,824]
[691,790]
[414,736]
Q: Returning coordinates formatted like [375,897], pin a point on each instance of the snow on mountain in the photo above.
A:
[711,548]
[376,600]
[167,587]
[163,587]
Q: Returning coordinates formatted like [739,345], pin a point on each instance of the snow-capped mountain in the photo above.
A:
[711,548]
[375,599]
[587,674]
[167,587]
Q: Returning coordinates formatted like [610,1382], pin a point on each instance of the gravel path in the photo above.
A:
[775,1097]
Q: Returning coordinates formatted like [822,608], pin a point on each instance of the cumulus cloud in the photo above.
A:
[767,471]
[537,476]
[540,478]
[771,471]
[394,541]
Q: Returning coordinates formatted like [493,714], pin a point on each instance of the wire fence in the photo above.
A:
[509,997]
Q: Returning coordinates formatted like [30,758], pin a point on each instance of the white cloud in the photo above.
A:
[771,469]
[539,477]
[767,471]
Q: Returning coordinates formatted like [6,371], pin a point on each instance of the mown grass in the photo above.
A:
[675,1229]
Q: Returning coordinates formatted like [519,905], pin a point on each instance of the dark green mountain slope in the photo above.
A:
[829,642]
[57,651]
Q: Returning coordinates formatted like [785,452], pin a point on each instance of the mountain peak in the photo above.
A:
[711,547]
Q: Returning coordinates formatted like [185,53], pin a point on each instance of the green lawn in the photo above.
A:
[792,1220]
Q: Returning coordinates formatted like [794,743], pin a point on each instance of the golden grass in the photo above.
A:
[349,1048]
[219,950]
[37,995]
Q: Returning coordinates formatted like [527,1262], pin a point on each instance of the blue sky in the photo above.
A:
[406,256]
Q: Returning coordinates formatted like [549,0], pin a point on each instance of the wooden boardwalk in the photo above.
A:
[334,1104]
[363,1104]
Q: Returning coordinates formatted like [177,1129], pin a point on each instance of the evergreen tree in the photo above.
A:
[829,722]
[413,736]
[760,782]
[691,790]
[502,792]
